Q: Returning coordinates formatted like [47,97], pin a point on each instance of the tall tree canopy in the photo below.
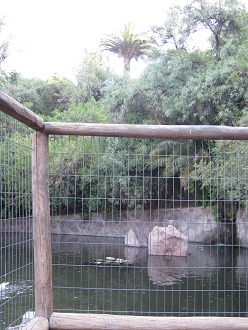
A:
[223,19]
[186,85]
[127,46]
[93,77]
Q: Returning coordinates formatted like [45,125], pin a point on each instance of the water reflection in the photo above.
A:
[203,283]
[135,254]
[200,262]
[14,289]
[164,270]
[241,270]
[16,269]
[210,281]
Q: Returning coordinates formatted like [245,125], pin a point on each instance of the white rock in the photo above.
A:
[167,241]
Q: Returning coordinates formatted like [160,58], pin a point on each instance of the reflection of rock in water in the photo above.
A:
[133,254]
[241,270]
[164,270]
[201,262]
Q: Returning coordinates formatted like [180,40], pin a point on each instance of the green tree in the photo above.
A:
[93,77]
[25,91]
[38,95]
[171,33]
[223,19]
[223,176]
[58,93]
[15,176]
[127,46]
[81,113]
[192,86]
[102,175]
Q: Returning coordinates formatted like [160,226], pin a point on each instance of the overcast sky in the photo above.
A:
[48,37]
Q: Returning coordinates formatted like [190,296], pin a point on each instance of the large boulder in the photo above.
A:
[167,241]
[242,227]
[135,238]
[197,223]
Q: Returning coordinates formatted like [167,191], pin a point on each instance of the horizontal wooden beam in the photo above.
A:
[19,112]
[29,118]
[149,131]
[60,321]
[38,323]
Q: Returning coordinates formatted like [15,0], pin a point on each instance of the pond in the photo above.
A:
[210,281]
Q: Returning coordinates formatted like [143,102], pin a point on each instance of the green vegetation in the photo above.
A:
[15,173]
[182,84]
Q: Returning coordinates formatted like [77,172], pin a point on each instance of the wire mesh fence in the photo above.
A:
[149,227]
[16,256]
[140,226]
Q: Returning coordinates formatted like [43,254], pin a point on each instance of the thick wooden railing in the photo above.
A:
[19,112]
[198,132]
[44,317]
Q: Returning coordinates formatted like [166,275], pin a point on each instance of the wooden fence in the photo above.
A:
[44,316]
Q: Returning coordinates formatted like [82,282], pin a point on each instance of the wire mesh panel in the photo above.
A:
[149,227]
[16,258]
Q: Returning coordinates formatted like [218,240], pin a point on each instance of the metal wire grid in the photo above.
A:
[103,187]
[16,256]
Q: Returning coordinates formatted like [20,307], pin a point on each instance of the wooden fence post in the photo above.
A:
[41,226]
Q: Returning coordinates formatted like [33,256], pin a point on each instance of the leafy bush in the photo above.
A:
[82,113]
[224,175]
[101,175]
[15,174]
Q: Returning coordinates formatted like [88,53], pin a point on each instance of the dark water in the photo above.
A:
[211,281]
[16,267]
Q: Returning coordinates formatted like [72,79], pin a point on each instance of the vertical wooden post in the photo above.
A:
[41,226]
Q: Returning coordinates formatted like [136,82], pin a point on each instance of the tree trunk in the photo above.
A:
[126,72]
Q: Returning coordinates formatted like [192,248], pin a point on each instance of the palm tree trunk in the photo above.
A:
[126,67]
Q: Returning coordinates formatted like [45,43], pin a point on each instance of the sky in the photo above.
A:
[48,37]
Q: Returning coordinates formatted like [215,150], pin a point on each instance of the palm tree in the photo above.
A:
[127,46]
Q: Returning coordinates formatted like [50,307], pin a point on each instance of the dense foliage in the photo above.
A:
[182,84]
[15,173]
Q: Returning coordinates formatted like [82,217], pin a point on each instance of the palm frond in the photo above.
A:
[128,45]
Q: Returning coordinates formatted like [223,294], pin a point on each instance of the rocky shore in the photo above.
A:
[197,224]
